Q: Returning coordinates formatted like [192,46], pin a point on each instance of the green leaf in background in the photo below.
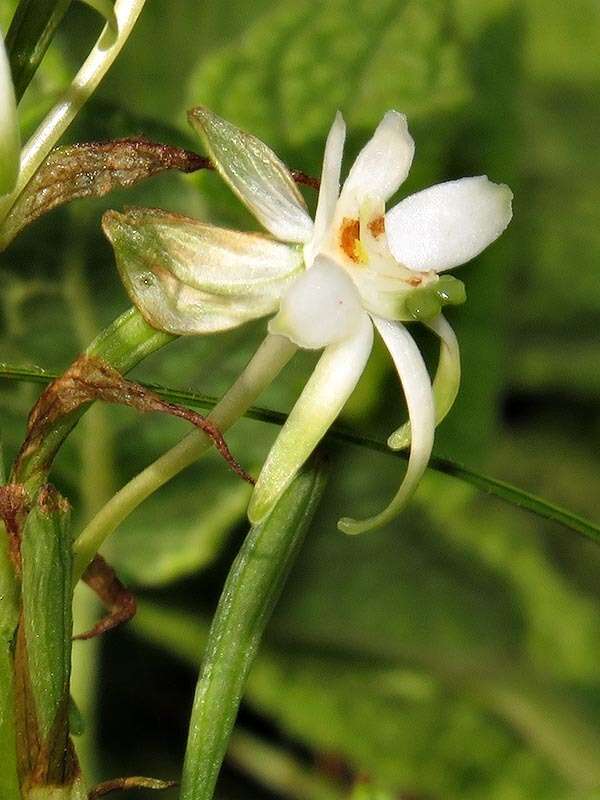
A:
[296,90]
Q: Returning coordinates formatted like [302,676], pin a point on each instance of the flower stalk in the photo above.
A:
[251,591]
[267,362]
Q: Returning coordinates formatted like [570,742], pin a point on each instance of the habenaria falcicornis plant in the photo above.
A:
[328,282]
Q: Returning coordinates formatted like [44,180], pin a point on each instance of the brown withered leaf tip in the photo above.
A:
[89,379]
[13,510]
[92,169]
[115,597]
[123,784]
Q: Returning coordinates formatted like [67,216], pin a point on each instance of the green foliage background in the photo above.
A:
[454,654]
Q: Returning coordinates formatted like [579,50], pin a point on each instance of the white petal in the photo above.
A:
[382,164]
[256,175]
[330,186]
[321,306]
[10,139]
[187,277]
[445,384]
[419,399]
[322,399]
[448,224]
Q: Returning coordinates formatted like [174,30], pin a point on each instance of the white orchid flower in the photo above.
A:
[330,281]
[10,139]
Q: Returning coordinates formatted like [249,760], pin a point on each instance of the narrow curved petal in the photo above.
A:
[10,139]
[419,399]
[448,224]
[258,177]
[322,306]
[187,277]
[382,165]
[330,186]
[445,383]
[331,384]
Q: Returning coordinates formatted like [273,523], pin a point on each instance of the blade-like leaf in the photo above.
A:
[31,31]
[251,591]
[485,483]
[92,169]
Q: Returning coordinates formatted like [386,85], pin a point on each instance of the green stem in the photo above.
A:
[94,68]
[251,591]
[9,616]
[31,30]
[97,486]
[267,362]
[122,345]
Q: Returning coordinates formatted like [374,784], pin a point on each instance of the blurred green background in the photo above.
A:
[454,654]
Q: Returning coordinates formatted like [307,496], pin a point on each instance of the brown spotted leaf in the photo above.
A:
[92,169]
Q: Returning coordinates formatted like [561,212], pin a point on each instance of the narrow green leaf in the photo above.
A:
[31,31]
[492,486]
[251,591]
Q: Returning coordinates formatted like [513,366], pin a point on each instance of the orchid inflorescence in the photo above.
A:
[328,282]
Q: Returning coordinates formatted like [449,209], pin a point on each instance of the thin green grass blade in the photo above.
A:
[485,483]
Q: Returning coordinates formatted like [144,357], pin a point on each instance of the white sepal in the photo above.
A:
[419,399]
[322,306]
[381,166]
[445,383]
[10,138]
[187,277]
[448,224]
[258,177]
[330,187]
[325,394]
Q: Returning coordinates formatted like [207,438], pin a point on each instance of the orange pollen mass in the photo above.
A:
[350,238]
[377,226]
[416,281]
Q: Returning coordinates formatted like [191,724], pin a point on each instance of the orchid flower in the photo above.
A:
[329,282]
[10,139]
